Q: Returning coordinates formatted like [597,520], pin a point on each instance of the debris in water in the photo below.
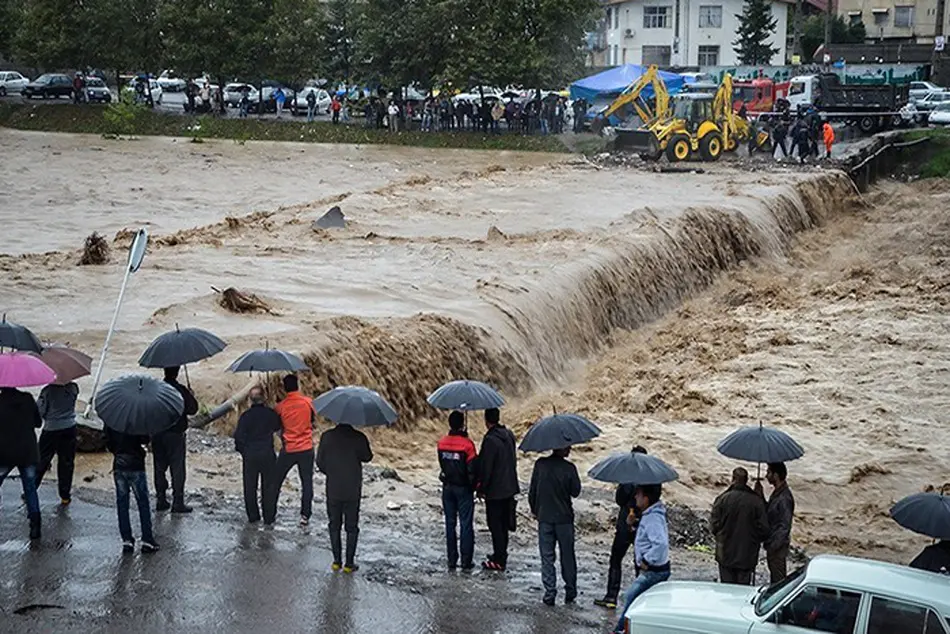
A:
[393,506]
[496,235]
[333,219]
[89,440]
[95,250]
[239,302]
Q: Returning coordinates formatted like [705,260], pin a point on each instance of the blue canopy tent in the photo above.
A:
[614,81]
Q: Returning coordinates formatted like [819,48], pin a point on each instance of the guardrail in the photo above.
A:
[881,160]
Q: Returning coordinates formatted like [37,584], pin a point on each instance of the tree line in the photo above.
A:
[385,42]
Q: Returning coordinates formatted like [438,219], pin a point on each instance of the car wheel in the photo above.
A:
[3,91]
[867,124]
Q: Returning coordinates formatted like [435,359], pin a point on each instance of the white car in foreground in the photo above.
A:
[12,82]
[831,594]
[940,115]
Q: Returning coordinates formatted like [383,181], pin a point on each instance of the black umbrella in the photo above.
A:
[355,405]
[181,347]
[760,444]
[18,337]
[465,396]
[924,513]
[139,405]
[557,432]
[268,360]
[633,468]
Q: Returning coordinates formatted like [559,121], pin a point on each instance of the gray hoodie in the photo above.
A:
[57,405]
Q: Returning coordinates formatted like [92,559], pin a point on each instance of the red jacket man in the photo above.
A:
[457,462]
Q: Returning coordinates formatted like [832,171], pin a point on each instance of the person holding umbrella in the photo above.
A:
[19,418]
[133,409]
[254,440]
[168,451]
[628,519]
[457,473]
[341,455]
[780,510]
[554,482]
[927,514]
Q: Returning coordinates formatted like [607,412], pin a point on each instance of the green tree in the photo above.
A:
[813,34]
[51,34]
[295,33]
[756,27]
[9,17]
[342,20]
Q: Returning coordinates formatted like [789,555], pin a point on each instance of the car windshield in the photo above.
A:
[944,107]
[95,82]
[44,79]
[772,595]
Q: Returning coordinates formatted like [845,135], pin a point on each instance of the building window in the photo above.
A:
[710,16]
[657,17]
[615,54]
[609,17]
[659,55]
[708,56]
[903,17]
[616,18]
[880,17]
[854,19]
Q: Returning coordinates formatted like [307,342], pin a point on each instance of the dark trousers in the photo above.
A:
[623,539]
[345,514]
[458,505]
[778,563]
[134,481]
[303,460]
[62,444]
[259,469]
[779,143]
[168,452]
[735,576]
[498,516]
[563,536]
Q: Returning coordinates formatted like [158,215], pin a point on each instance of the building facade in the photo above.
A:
[911,21]
[681,32]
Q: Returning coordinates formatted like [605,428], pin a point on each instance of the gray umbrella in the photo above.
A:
[268,361]
[18,337]
[924,513]
[465,396]
[139,405]
[633,468]
[760,444]
[557,432]
[355,405]
[181,347]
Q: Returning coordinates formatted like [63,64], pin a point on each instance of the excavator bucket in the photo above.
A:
[640,141]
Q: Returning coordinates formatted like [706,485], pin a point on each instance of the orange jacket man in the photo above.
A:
[296,420]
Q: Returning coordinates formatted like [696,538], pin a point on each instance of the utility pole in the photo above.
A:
[829,19]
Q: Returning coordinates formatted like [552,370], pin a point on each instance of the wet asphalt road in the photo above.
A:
[216,574]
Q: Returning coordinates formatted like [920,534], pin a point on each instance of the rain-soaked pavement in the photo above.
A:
[216,574]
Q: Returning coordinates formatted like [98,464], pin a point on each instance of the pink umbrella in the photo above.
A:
[21,369]
[68,364]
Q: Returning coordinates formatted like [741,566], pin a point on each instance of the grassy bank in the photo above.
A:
[143,122]
[935,158]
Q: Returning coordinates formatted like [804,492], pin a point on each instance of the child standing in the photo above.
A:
[128,471]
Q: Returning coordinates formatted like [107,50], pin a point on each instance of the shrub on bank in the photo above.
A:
[88,119]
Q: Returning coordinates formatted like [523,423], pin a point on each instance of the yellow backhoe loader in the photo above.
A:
[699,123]
[648,110]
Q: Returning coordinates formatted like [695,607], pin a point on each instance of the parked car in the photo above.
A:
[268,86]
[171,82]
[97,91]
[920,89]
[234,91]
[153,84]
[940,115]
[12,82]
[928,103]
[298,105]
[49,85]
[830,594]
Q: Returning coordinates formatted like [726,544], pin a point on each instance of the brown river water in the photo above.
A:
[568,286]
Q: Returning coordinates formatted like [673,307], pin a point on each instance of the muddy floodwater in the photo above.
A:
[670,308]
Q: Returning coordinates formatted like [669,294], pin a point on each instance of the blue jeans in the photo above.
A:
[28,481]
[544,126]
[644,582]
[459,505]
[563,536]
[136,482]
[310,112]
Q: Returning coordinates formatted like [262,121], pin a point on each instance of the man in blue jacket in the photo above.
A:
[651,548]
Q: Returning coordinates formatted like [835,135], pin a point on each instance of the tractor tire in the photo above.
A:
[678,149]
[710,147]
[730,146]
